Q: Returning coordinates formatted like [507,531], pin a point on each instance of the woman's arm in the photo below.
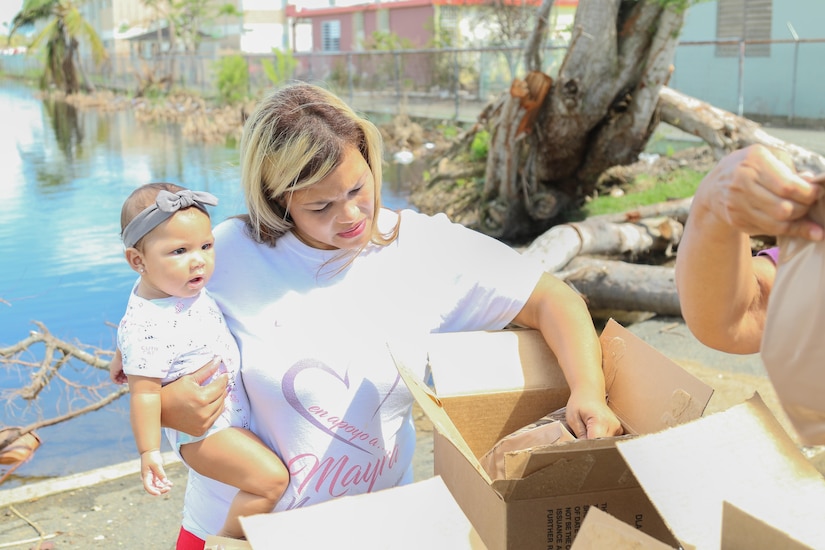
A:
[187,405]
[190,407]
[565,323]
[723,290]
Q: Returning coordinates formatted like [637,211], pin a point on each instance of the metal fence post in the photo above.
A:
[456,87]
[397,58]
[792,112]
[741,108]
[350,84]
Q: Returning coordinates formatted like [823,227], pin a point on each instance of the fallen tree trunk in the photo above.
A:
[726,132]
[677,209]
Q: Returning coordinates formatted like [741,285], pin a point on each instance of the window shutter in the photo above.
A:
[331,36]
[743,19]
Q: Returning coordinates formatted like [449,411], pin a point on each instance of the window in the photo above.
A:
[743,19]
[382,20]
[331,36]
[448,17]
[358,29]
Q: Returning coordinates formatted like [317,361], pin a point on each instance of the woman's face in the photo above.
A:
[337,212]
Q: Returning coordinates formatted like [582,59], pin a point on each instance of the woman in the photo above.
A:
[318,277]
[723,289]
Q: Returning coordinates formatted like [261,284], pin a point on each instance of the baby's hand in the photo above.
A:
[116,373]
[151,472]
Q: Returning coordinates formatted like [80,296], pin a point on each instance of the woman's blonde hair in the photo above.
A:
[295,137]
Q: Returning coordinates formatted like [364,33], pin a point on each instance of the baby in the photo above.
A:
[172,327]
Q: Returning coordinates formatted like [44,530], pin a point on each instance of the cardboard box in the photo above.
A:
[214,542]
[734,479]
[601,531]
[489,384]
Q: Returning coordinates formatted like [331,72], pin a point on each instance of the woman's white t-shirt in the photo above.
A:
[313,332]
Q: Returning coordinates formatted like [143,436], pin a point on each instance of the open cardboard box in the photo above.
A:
[731,480]
[489,384]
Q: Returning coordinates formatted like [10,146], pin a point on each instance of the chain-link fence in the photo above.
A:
[454,84]
[781,84]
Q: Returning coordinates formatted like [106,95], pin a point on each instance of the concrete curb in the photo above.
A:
[76,481]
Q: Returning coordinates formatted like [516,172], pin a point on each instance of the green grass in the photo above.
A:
[679,184]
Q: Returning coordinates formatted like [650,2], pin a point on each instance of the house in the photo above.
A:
[416,23]
[757,58]
[124,25]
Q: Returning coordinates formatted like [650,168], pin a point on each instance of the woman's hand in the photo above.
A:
[723,290]
[756,192]
[591,418]
[190,407]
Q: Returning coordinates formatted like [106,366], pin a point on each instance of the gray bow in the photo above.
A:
[165,205]
[172,202]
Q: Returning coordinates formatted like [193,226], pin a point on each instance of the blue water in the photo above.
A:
[63,176]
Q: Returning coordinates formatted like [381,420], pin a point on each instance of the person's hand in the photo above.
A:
[757,192]
[591,418]
[116,373]
[151,472]
[191,407]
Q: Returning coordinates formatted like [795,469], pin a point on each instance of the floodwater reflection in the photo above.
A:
[65,173]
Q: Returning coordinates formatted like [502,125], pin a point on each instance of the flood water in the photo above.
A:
[63,176]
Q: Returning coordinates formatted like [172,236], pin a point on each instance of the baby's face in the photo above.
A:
[178,256]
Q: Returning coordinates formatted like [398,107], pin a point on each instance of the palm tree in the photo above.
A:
[60,38]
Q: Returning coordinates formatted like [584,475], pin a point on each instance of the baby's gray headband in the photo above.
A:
[165,205]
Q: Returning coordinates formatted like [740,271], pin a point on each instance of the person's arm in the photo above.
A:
[145,417]
[189,406]
[723,290]
[565,323]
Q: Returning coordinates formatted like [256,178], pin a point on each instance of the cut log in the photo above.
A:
[615,285]
[556,247]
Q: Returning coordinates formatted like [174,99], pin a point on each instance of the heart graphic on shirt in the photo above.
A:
[291,396]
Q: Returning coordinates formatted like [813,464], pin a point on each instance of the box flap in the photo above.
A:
[646,390]
[583,466]
[600,531]
[497,361]
[742,530]
[431,404]
[423,515]
[742,456]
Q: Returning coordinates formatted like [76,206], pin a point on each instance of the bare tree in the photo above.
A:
[42,357]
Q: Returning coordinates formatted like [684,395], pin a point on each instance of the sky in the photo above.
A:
[8,9]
